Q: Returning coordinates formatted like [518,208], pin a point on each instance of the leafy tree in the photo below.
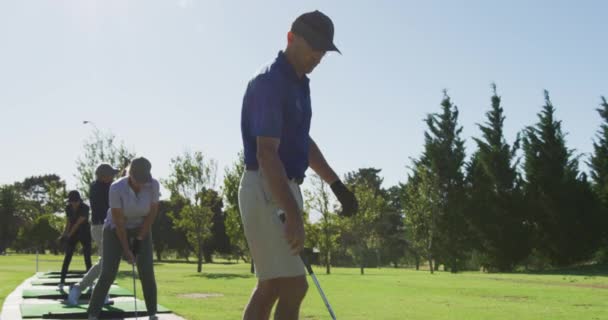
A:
[10,197]
[390,227]
[169,237]
[359,231]
[192,179]
[325,232]
[40,195]
[422,206]
[234,224]
[100,148]
[219,241]
[41,234]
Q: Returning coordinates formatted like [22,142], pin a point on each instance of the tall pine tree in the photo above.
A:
[561,208]
[599,166]
[443,158]
[495,207]
[599,160]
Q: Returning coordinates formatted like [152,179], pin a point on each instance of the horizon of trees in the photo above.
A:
[521,204]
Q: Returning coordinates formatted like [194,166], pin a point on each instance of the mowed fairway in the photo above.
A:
[221,291]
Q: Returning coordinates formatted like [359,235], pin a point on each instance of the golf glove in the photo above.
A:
[347,199]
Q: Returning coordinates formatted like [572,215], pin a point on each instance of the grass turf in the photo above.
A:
[222,290]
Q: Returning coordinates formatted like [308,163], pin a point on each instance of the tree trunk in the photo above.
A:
[417,262]
[362,272]
[199,257]
[208,256]
[252,267]
[431,267]
[159,255]
[327,247]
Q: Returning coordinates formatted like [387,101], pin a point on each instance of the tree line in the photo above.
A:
[507,206]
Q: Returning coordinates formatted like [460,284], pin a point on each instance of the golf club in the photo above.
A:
[313,276]
[134,251]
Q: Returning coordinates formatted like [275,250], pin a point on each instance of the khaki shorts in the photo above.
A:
[271,253]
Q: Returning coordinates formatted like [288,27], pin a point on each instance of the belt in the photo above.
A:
[255,167]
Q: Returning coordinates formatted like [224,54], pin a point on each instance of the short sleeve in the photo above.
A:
[266,108]
[155,192]
[115,200]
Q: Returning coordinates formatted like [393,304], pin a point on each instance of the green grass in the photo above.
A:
[380,294]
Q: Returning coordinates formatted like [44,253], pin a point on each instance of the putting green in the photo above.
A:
[61,311]
[44,292]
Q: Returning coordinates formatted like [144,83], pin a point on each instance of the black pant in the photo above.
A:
[69,251]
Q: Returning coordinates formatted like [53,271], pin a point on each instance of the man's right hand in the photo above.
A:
[293,231]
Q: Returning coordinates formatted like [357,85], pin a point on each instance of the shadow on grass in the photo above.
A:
[221,275]
[589,270]
[128,274]
[160,263]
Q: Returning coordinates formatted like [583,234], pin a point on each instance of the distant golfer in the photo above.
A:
[133,208]
[99,200]
[76,230]
[275,124]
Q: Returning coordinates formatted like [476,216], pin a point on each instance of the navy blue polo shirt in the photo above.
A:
[277,105]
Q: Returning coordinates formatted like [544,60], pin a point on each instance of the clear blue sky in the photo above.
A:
[169,76]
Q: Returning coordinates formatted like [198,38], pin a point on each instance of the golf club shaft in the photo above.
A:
[134,290]
[313,276]
[318,285]
[331,311]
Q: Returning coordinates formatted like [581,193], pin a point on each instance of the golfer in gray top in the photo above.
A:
[133,208]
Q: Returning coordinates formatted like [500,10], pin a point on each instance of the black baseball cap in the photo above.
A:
[317,29]
[140,169]
[74,196]
[105,170]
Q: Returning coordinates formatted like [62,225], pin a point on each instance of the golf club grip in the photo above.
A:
[306,264]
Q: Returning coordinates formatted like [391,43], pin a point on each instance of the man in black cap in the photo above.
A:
[77,229]
[275,125]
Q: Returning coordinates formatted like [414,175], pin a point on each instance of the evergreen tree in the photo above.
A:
[495,210]
[561,209]
[443,157]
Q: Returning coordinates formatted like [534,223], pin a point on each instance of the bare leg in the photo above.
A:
[264,295]
[291,293]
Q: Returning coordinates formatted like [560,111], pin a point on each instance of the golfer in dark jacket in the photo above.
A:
[77,229]
[99,199]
